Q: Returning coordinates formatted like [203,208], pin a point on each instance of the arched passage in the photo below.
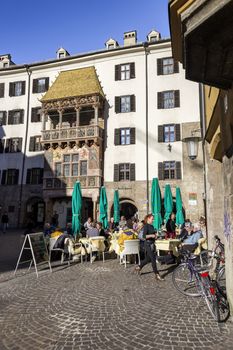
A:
[127,208]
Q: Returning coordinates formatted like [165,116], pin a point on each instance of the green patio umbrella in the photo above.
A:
[103,207]
[156,204]
[116,206]
[168,202]
[179,211]
[76,208]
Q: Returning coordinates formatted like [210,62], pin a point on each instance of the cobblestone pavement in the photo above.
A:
[103,306]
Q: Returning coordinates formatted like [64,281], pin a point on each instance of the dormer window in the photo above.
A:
[61,54]
[111,46]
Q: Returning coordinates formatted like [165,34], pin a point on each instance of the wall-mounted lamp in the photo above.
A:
[169,147]
[192,143]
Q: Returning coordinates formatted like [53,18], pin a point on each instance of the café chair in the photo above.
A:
[131,247]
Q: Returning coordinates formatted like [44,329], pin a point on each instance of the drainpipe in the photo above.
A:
[203,132]
[145,45]
[25,143]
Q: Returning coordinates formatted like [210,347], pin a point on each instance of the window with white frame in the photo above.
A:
[125,71]
[125,104]
[125,136]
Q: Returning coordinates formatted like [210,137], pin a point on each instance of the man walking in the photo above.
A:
[5,221]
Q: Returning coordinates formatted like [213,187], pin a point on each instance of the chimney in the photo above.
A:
[130,38]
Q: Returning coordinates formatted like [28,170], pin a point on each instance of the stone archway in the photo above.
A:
[127,208]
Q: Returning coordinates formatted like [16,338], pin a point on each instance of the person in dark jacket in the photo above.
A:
[5,221]
[171,226]
[149,236]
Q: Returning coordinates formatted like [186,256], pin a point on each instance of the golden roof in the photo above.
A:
[73,83]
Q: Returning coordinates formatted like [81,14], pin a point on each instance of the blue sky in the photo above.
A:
[33,30]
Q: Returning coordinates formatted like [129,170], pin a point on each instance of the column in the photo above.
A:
[60,118]
[43,122]
[77,116]
[96,108]
[94,210]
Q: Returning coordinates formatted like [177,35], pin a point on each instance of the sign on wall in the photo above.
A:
[192,198]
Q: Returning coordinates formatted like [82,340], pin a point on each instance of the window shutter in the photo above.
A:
[160,171]
[21,116]
[41,175]
[2,88]
[7,145]
[177,98]
[16,177]
[118,72]
[28,178]
[46,84]
[3,118]
[3,177]
[132,70]
[132,136]
[178,170]
[117,104]
[20,144]
[160,133]
[159,66]
[32,144]
[177,132]
[132,103]
[2,141]
[34,114]
[160,100]
[11,89]
[132,172]
[10,117]
[116,172]
[117,137]
[176,66]
[23,88]
[35,86]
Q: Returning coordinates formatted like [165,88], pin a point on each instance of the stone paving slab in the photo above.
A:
[103,306]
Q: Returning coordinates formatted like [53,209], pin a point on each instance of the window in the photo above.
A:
[36,114]
[169,170]
[2,90]
[17,88]
[15,117]
[35,144]
[34,176]
[169,133]
[168,99]
[70,166]
[125,71]
[10,177]
[40,85]
[124,172]
[57,170]
[13,145]
[125,104]
[61,54]
[2,118]
[124,136]
[167,66]
[83,167]
[110,46]
[5,64]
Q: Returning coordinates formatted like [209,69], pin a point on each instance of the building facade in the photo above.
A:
[114,117]
[207,61]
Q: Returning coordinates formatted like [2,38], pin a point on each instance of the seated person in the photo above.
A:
[126,234]
[103,233]
[186,229]
[47,229]
[56,233]
[171,227]
[191,242]
[92,231]
[113,226]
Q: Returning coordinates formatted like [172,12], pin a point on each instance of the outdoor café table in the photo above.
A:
[114,246]
[168,245]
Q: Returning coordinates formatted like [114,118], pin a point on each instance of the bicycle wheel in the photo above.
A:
[209,295]
[184,280]
[222,303]
[221,278]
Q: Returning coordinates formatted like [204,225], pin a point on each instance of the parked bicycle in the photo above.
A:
[192,279]
[215,260]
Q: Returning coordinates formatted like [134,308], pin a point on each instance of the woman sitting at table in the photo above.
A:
[149,236]
[103,233]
